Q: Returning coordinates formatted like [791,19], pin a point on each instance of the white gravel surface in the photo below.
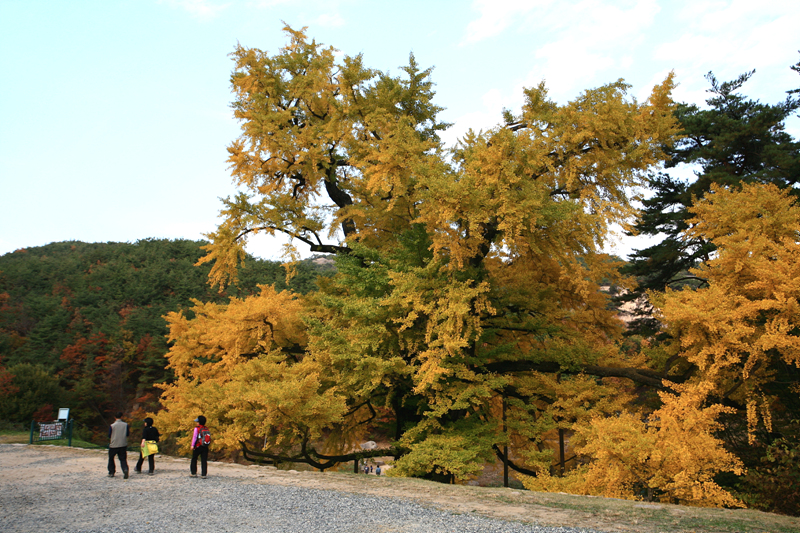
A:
[49,489]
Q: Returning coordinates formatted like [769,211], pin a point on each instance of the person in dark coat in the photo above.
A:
[118,445]
[148,433]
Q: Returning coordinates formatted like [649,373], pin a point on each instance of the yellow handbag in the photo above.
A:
[149,447]
[152,447]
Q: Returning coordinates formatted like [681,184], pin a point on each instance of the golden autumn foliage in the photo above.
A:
[331,146]
[221,345]
[672,454]
[730,337]
[466,313]
[743,321]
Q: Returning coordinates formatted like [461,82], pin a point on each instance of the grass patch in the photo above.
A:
[9,436]
[24,437]
[655,517]
[76,443]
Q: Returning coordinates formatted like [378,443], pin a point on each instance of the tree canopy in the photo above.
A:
[730,343]
[734,140]
[739,331]
[465,314]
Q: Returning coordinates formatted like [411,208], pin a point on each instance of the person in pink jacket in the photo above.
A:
[200,447]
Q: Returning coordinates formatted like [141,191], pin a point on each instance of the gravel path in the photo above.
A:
[56,490]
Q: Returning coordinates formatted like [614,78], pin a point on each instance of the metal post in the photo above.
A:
[505,447]
[32,423]
[69,429]
[561,462]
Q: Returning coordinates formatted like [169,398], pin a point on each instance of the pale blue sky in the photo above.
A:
[114,116]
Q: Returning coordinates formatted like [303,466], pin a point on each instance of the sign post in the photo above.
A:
[56,430]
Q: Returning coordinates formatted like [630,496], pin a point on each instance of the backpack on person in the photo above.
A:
[203,436]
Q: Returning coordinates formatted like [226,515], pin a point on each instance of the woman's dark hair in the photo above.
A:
[202,420]
[148,421]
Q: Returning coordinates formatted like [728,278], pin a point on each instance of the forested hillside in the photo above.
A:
[82,325]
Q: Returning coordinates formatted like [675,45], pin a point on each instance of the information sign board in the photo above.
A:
[50,431]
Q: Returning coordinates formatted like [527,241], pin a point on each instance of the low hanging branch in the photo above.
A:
[511,464]
[308,455]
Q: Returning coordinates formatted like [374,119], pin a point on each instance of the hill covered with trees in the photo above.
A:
[82,325]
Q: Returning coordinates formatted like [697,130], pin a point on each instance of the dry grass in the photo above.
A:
[14,437]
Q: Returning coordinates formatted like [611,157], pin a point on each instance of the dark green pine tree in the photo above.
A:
[736,139]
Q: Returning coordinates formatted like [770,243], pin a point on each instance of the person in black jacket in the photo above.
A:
[148,433]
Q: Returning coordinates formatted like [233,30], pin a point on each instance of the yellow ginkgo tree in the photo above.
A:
[740,329]
[733,348]
[672,453]
[466,308]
